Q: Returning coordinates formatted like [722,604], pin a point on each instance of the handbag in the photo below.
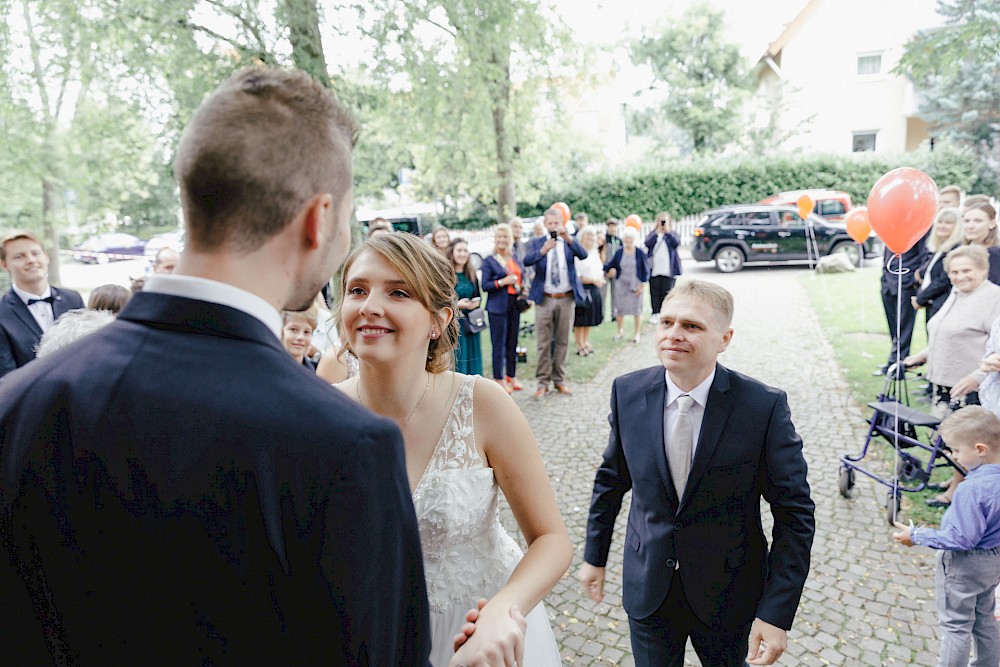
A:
[474,321]
[522,303]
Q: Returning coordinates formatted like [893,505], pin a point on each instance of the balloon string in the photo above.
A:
[898,370]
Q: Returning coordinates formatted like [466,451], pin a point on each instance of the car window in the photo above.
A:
[756,218]
[831,207]
[791,219]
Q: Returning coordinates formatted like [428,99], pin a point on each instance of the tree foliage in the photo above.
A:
[704,78]
[957,68]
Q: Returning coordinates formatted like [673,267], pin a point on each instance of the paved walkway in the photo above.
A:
[867,601]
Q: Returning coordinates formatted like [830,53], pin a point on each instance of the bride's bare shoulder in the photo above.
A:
[348,387]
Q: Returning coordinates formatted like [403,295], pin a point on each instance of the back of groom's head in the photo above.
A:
[256,150]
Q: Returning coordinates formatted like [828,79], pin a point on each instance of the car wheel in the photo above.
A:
[850,249]
[729,259]
[477,261]
[102,258]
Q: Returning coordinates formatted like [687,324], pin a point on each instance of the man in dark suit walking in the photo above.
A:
[555,289]
[31,305]
[235,509]
[699,445]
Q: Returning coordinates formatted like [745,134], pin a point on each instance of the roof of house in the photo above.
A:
[774,48]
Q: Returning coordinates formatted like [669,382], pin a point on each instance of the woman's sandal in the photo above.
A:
[938,501]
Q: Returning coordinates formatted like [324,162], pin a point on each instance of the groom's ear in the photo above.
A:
[315,214]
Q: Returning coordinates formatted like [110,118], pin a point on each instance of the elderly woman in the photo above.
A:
[591,272]
[959,332]
[630,270]
[934,284]
[979,223]
[503,277]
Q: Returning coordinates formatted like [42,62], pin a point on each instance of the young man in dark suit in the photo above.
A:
[31,305]
[699,445]
[235,509]
[555,289]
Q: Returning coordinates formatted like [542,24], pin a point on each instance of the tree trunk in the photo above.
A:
[307,41]
[49,231]
[506,197]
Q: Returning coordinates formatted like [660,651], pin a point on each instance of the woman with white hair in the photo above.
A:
[630,269]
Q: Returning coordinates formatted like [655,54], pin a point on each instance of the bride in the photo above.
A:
[465,441]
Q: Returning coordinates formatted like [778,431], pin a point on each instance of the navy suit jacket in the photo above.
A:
[499,298]
[540,262]
[641,264]
[176,488]
[673,242]
[20,333]
[748,449]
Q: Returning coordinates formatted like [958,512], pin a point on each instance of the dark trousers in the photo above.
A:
[659,640]
[659,287]
[503,335]
[908,318]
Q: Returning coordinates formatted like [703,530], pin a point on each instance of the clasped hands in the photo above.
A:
[490,638]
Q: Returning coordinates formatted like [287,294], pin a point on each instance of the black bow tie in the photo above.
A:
[49,299]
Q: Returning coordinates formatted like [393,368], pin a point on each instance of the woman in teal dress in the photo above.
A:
[469,353]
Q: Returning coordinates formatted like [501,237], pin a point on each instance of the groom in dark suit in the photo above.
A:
[31,305]
[176,490]
[699,445]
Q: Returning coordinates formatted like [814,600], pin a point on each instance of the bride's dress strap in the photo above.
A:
[457,448]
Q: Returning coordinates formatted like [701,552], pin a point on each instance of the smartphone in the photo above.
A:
[553,235]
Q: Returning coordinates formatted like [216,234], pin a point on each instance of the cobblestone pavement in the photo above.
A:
[866,602]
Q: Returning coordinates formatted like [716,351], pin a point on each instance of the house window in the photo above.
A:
[863,141]
[870,63]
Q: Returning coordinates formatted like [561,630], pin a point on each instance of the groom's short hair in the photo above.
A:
[719,298]
[258,148]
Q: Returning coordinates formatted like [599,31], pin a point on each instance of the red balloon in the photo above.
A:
[901,207]
[565,210]
[858,226]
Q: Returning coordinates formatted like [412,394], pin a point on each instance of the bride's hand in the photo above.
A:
[497,640]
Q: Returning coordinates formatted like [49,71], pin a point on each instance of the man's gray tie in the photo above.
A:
[680,445]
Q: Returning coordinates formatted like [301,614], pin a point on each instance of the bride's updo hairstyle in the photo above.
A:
[431,281]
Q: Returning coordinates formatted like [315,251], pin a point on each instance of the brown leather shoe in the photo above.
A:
[541,391]
[563,389]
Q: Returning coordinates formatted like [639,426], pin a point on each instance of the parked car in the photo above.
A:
[103,248]
[829,204]
[733,235]
[158,242]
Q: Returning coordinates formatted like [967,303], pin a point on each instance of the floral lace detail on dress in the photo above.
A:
[467,553]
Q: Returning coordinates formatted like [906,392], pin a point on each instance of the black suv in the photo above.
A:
[733,235]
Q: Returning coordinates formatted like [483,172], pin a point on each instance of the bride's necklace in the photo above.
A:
[420,400]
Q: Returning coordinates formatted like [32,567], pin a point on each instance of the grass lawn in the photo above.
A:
[849,307]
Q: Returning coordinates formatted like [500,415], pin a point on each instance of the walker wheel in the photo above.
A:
[846,481]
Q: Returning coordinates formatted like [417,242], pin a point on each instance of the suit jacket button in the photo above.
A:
[671,563]
[678,526]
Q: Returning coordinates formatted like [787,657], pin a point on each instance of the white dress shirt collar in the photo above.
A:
[26,295]
[44,313]
[699,393]
[213,291]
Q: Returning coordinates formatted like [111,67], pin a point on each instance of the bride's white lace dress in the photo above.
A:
[467,553]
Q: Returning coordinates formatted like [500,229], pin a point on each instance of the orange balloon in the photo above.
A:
[858,227]
[565,210]
[806,204]
[634,222]
[901,207]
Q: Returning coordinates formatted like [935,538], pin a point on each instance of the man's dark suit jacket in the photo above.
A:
[747,449]
[177,490]
[20,333]
[540,262]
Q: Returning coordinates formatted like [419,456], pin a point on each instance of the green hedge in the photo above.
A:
[689,188]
